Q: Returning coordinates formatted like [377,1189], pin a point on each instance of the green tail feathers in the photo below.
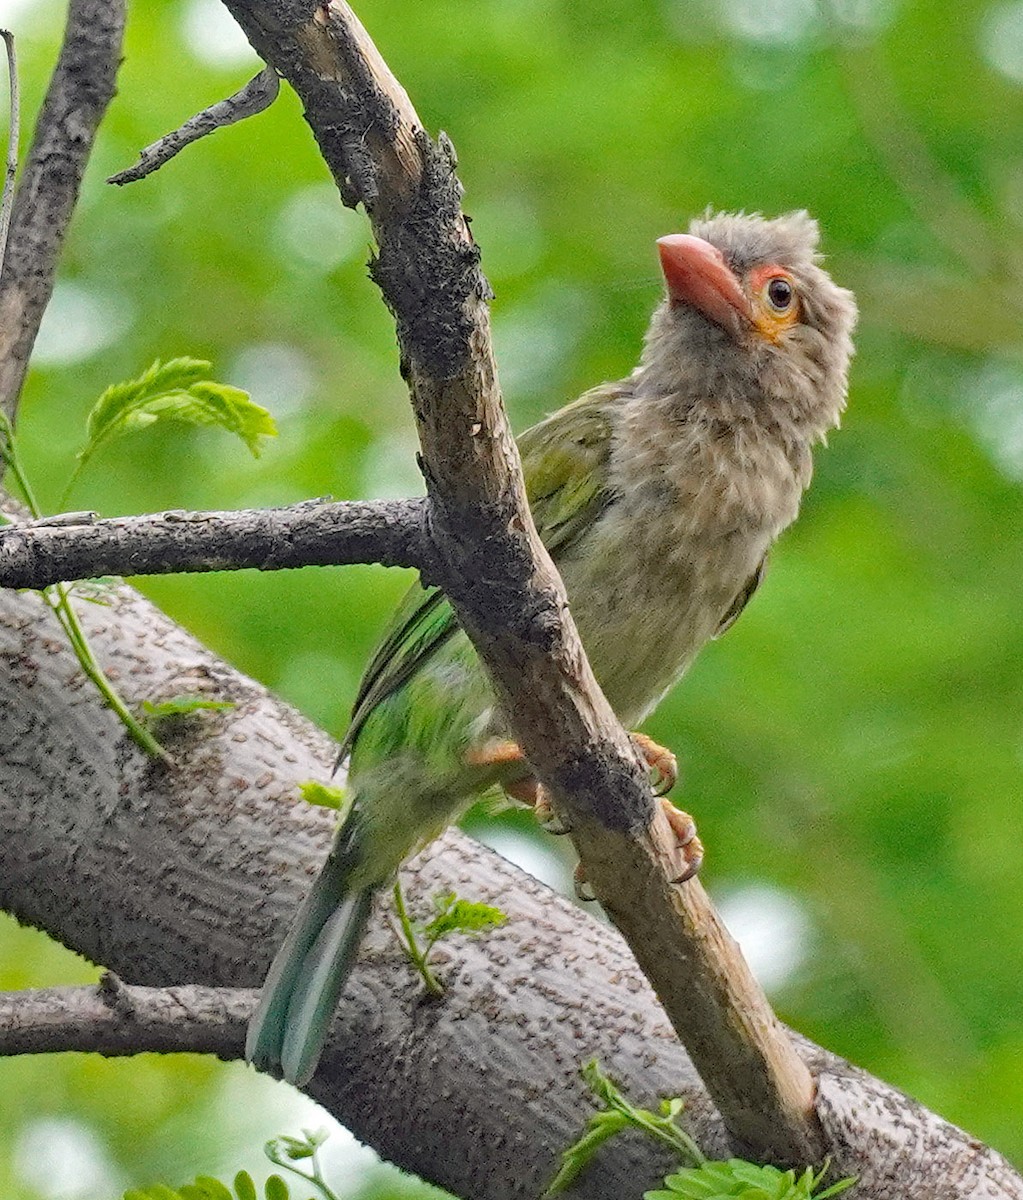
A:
[305,980]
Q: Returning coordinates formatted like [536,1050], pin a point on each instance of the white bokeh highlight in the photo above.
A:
[213,36]
[64,1159]
[316,232]
[772,927]
[279,377]
[994,407]
[1001,40]
[79,322]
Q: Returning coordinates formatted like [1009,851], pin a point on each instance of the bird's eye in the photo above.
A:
[780,294]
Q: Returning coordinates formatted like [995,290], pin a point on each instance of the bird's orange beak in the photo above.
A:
[696,274]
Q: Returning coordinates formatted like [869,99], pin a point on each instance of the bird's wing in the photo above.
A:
[565,464]
[422,624]
[742,599]
[564,459]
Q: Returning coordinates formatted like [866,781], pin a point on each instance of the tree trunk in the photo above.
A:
[170,877]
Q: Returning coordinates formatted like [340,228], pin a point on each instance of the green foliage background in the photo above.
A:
[856,743]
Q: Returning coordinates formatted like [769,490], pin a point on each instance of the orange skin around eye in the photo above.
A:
[770,323]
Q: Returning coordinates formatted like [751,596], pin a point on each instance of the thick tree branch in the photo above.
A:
[191,877]
[114,1018]
[80,90]
[313,533]
[502,582]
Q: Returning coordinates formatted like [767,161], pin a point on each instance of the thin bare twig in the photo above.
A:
[312,533]
[11,169]
[258,94]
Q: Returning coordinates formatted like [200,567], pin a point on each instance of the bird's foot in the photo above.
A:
[547,817]
[660,761]
[495,753]
[583,887]
[526,790]
[529,791]
[688,847]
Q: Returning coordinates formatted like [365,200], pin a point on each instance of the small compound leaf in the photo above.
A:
[769,1178]
[180,706]
[244,1188]
[315,1138]
[294,1149]
[276,1189]
[232,409]
[737,1179]
[600,1127]
[213,1188]
[175,391]
[693,1185]
[463,916]
[322,794]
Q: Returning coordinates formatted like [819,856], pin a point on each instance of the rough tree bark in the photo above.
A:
[191,876]
[311,533]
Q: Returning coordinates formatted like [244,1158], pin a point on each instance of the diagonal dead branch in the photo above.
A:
[256,96]
[312,533]
[80,90]
[502,582]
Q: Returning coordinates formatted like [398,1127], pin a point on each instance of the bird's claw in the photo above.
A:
[583,888]
[661,763]
[688,847]
[547,818]
[528,791]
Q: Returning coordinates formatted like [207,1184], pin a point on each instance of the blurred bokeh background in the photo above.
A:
[853,749]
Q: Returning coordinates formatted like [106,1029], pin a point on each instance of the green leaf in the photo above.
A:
[294,1149]
[600,1127]
[619,1113]
[737,1179]
[155,1191]
[175,391]
[455,915]
[314,792]
[276,1189]
[213,1188]
[698,1183]
[841,1185]
[244,1188]
[178,706]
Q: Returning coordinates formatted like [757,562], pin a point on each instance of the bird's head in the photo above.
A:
[751,316]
